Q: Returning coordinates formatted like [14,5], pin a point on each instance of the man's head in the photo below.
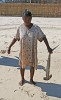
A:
[27,17]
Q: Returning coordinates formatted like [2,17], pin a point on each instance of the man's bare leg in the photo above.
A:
[31,75]
[22,70]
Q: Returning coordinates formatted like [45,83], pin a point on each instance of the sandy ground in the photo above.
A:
[9,69]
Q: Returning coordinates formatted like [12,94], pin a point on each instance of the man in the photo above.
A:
[28,34]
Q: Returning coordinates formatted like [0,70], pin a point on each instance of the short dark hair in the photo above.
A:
[27,13]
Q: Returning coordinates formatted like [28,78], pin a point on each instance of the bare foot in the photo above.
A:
[21,82]
[47,78]
[32,82]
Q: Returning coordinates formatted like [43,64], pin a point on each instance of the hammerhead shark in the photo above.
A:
[48,75]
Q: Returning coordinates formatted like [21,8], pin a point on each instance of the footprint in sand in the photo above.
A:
[3,51]
[0,82]
[1,99]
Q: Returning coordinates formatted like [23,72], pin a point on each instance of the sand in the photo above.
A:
[9,69]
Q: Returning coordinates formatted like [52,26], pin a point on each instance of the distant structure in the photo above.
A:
[31,1]
[1,1]
[39,8]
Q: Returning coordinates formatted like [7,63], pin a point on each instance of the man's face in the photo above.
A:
[27,20]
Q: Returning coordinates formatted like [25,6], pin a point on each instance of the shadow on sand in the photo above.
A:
[13,62]
[51,89]
[6,61]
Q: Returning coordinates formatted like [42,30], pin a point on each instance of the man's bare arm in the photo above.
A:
[47,44]
[12,43]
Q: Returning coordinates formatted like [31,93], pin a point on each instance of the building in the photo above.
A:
[33,1]
[1,1]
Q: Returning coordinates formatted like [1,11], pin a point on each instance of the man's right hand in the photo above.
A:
[50,50]
[8,50]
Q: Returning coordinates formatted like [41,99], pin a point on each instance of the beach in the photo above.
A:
[10,70]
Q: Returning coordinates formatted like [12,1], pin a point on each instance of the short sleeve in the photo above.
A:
[40,34]
[17,36]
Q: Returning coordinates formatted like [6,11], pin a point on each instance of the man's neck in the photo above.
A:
[29,26]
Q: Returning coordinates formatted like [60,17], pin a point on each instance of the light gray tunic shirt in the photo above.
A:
[28,44]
